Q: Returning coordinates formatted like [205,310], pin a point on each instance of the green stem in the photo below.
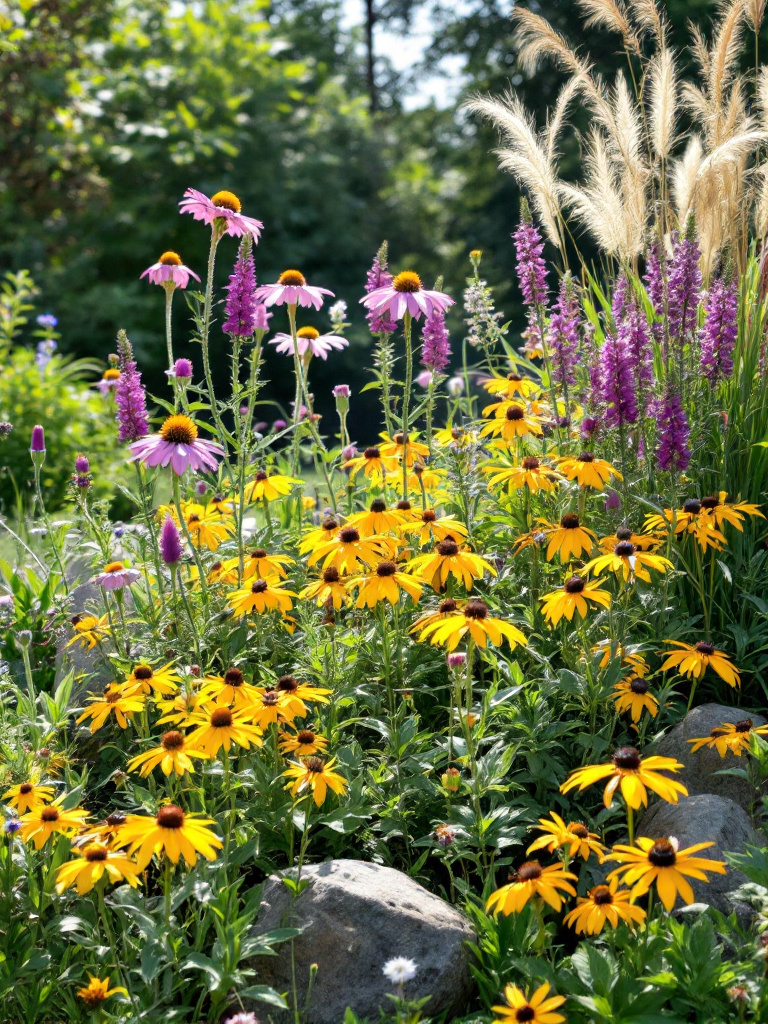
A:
[204,339]
[407,327]
[169,290]
[188,536]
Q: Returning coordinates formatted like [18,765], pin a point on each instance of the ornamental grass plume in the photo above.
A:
[718,335]
[673,452]
[130,398]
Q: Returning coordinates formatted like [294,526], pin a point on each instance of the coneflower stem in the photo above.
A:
[204,338]
[407,327]
[169,290]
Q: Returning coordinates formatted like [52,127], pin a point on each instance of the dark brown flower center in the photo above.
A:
[331,574]
[446,606]
[116,818]
[270,698]
[170,816]
[570,521]
[692,506]
[287,684]
[94,854]
[112,698]
[378,505]
[403,505]
[578,829]
[743,725]
[710,503]
[330,525]
[662,854]
[49,814]
[305,736]
[627,758]
[400,438]
[233,677]
[314,764]
[372,453]
[586,457]
[530,462]
[575,585]
[386,569]
[624,549]
[623,533]
[476,610]
[447,548]
[172,740]
[261,476]
[259,553]
[525,1013]
[142,672]
[515,412]
[529,871]
[25,787]
[704,648]
[221,718]
[601,895]
[349,535]
[514,376]
[428,515]
[639,686]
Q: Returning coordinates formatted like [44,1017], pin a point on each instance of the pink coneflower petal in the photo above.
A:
[318,346]
[160,273]
[204,209]
[416,300]
[191,452]
[291,295]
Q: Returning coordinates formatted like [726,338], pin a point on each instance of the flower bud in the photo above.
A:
[455,386]
[37,447]
[424,379]
[182,369]
[457,659]
[451,780]
[24,639]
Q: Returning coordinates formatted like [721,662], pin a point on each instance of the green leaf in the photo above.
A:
[265,994]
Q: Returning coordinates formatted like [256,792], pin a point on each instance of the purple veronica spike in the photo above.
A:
[617,383]
[654,278]
[379,277]
[673,452]
[531,268]
[683,290]
[718,336]
[130,399]
[170,542]
[436,349]
[619,300]
[635,335]
[563,334]
[241,300]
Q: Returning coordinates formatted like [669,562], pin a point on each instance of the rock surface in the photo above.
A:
[356,916]
[700,772]
[701,819]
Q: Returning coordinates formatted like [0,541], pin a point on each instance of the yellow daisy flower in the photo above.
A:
[569,540]
[660,861]
[629,562]
[28,796]
[230,689]
[447,607]
[206,528]
[315,775]
[327,531]
[538,1009]
[588,471]
[473,619]
[330,589]
[302,743]
[448,560]
[632,695]
[218,726]
[603,903]
[642,541]
[255,563]
[90,864]
[89,630]
[260,596]
[511,385]
[432,528]
[275,706]
[373,463]
[113,702]
[399,444]
[694,660]
[170,832]
[529,473]
[573,597]
[687,520]
[577,837]
[530,880]
[349,552]
[178,709]
[379,519]
[174,754]
[722,512]
[145,680]
[730,736]
[266,487]
[299,692]
[515,422]
[384,584]
[45,820]
[632,773]
[96,991]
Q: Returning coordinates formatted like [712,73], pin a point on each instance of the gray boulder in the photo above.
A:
[355,917]
[700,819]
[700,772]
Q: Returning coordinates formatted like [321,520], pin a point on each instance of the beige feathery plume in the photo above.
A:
[761,93]
[761,202]
[754,12]
[610,14]
[650,19]
[556,121]
[683,173]
[726,52]
[662,102]
[537,39]
[527,156]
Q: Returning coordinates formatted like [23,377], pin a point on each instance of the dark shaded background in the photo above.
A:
[110,109]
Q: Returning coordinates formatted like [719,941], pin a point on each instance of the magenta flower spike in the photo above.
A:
[241,297]
[435,348]
[171,549]
[38,440]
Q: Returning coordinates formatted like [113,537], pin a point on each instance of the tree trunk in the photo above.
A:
[370,18]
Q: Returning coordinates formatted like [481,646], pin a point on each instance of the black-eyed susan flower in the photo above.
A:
[511,385]
[694,660]
[289,686]
[114,702]
[574,835]
[588,471]
[28,796]
[572,598]
[97,991]
[660,861]
[325,532]
[349,552]
[206,526]
[418,477]
[276,707]
[642,541]
[91,863]
[633,695]
[330,589]
[144,680]
[570,539]
[258,563]
[626,560]
[44,821]
[89,630]
[222,505]
[303,743]
[603,903]
[377,520]
[473,619]
[531,473]
[530,880]
[633,774]
[687,520]
[432,528]
[515,423]
[177,709]
[174,754]
[229,689]
[384,583]
[536,1009]
[449,560]
[373,463]
[448,606]
[261,596]
[454,435]
[730,736]
[722,511]
[316,776]
[399,444]
[217,727]
[171,832]
[269,487]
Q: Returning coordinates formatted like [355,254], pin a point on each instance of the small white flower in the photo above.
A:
[399,970]
[455,387]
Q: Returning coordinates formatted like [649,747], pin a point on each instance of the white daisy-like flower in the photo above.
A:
[399,969]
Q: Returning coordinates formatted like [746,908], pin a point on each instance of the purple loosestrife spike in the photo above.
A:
[683,290]
[435,350]
[130,398]
[635,335]
[38,439]
[655,273]
[673,452]
[619,300]
[241,299]
[563,334]
[170,542]
[718,336]
[531,268]
[261,317]
[617,386]
[379,277]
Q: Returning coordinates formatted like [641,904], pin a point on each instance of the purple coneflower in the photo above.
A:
[563,334]
[241,297]
[115,576]
[130,399]
[406,294]
[170,270]
[291,289]
[683,289]
[718,336]
[435,349]
[170,542]
[223,207]
[309,340]
[673,452]
[177,445]
[617,386]
[531,268]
